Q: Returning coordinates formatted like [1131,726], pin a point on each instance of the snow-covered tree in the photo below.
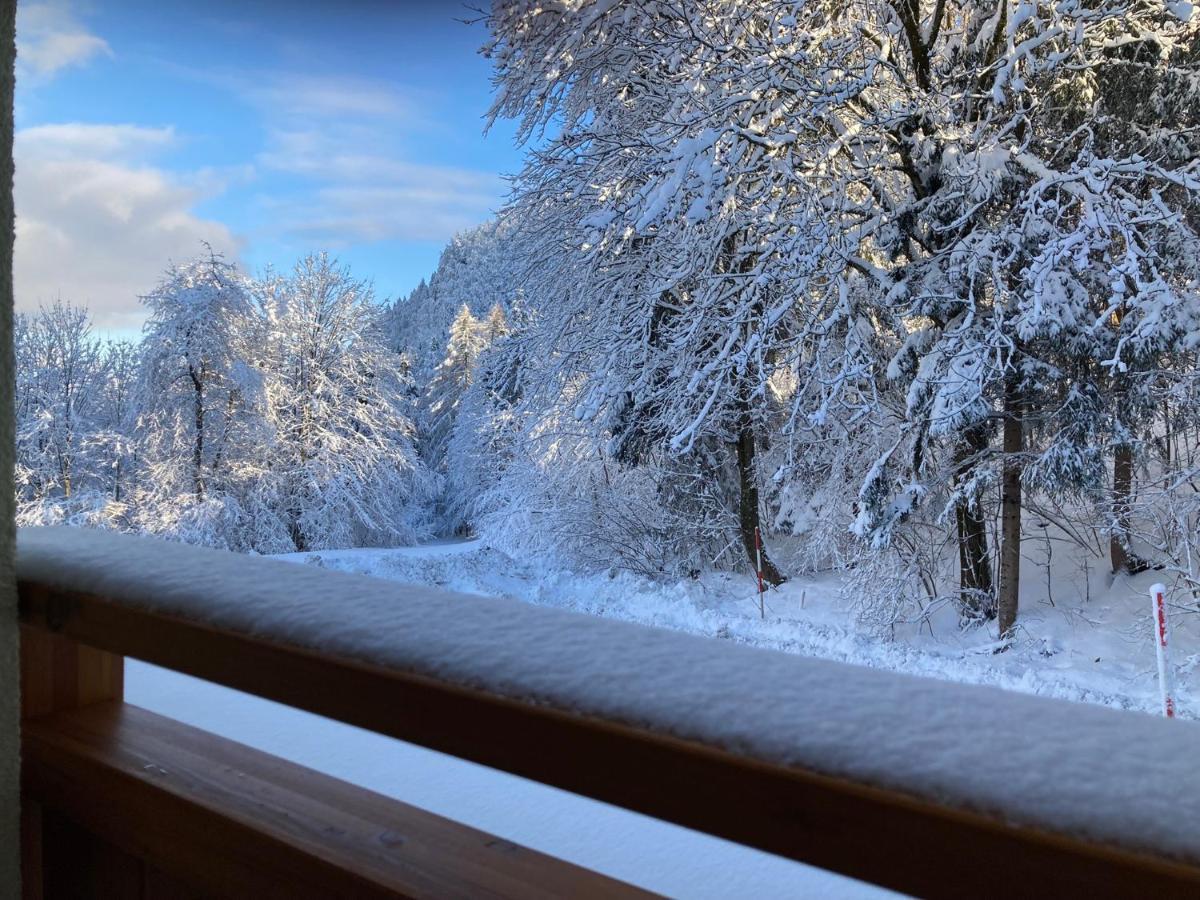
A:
[478,445]
[197,378]
[60,376]
[116,412]
[1021,259]
[343,463]
[666,212]
[469,338]
[910,212]
[480,269]
[450,381]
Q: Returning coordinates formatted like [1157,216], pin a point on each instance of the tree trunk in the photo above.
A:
[748,521]
[977,596]
[1010,508]
[297,533]
[198,445]
[1122,487]
[1118,541]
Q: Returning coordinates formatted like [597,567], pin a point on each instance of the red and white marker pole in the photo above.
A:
[1166,674]
[762,608]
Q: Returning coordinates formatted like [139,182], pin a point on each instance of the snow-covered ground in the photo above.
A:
[1092,644]
[1089,642]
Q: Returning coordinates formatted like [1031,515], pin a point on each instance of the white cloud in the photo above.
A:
[72,140]
[295,95]
[429,209]
[284,95]
[373,197]
[363,194]
[50,38]
[348,143]
[96,225]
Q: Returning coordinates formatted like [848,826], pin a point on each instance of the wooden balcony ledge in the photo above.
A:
[926,787]
[165,810]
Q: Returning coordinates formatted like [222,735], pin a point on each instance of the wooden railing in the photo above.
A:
[146,806]
[121,803]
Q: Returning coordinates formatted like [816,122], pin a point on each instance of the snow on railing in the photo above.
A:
[1001,764]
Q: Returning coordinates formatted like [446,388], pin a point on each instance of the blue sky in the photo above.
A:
[267,128]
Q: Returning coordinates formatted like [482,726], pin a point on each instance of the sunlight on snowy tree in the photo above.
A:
[920,213]
[344,466]
[451,379]
[480,269]
[61,375]
[197,339]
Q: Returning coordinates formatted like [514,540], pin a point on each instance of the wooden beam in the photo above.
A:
[876,835]
[57,673]
[175,805]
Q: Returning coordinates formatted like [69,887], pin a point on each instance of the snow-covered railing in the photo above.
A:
[928,787]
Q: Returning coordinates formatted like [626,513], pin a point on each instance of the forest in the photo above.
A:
[904,290]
